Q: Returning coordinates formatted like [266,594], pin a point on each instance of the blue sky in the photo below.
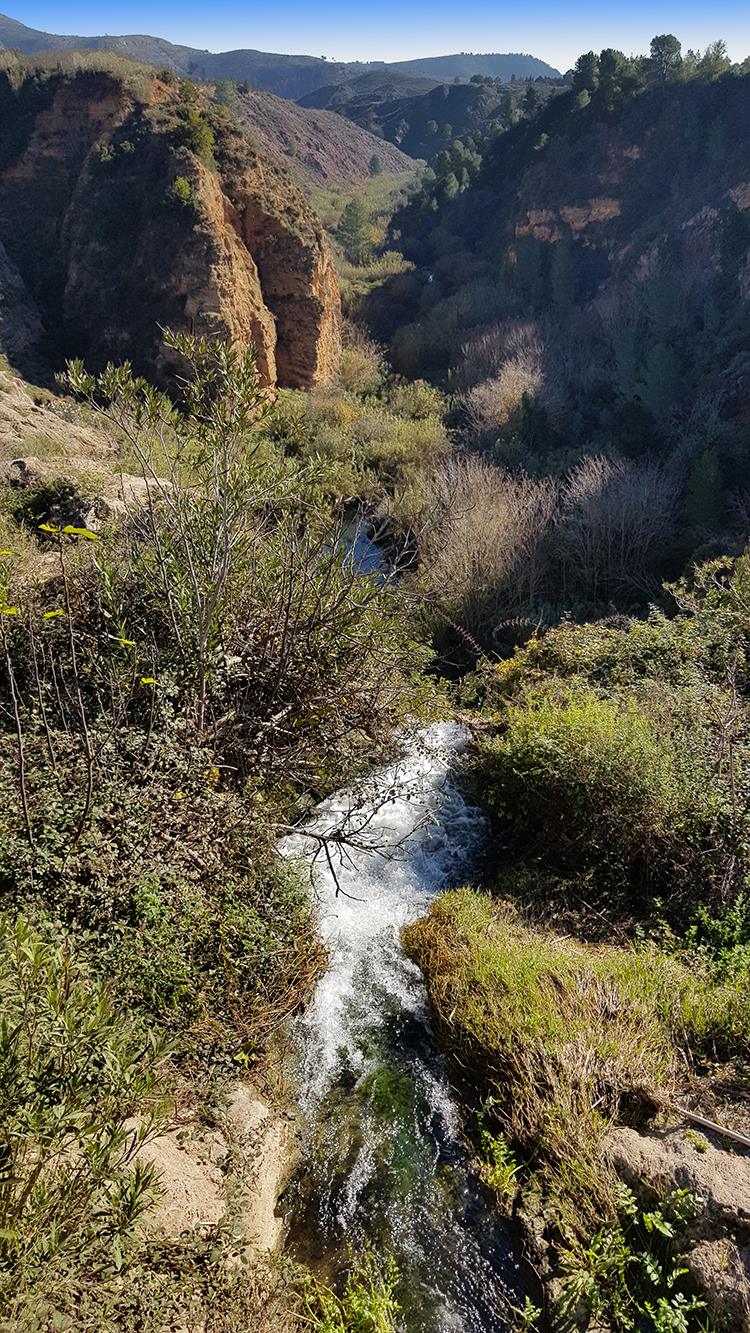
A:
[395,29]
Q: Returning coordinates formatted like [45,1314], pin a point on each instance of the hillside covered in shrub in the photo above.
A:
[585,289]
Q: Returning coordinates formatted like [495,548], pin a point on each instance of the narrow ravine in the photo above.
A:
[383,1165]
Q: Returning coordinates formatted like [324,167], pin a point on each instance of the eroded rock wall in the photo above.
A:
[109,253]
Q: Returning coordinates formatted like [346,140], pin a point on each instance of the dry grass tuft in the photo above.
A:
[482,541]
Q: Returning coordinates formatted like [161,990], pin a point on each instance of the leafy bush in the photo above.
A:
[372,442]
[616,750]
[180,193]
[630,1275]
[609,654]
[367,1304]
[578,782]
[361,370]
[417,400]
[168,888]
[58,501]
[175,695]
[194,132]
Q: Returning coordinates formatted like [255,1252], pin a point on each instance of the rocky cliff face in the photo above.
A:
[20,324]
[665,179]
[128,204]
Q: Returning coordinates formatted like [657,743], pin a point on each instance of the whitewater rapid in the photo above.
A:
[384,1165]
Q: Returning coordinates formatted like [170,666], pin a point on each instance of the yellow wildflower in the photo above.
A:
[80,532]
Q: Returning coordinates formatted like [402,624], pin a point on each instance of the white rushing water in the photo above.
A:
[384,1165]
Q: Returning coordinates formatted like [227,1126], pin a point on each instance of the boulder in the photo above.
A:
[718,1256]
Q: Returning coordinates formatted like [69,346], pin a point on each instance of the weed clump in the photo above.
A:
[366,1305]
[75,1069]
[630,1273]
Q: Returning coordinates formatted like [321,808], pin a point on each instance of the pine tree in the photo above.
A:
[353,233]
[666,56]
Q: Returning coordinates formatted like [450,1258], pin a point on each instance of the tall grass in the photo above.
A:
[559,1038]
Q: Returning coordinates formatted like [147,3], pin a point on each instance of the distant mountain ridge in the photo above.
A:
[495,65]
[414,112]
[291,76]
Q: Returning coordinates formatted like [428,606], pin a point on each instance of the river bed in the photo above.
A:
[384,1166]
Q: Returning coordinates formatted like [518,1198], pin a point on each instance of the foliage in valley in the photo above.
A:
[607,967]
[176,692]
[579,286]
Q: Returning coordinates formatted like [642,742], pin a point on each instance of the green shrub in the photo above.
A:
[721,937]
[74,1069]
[418,400]
[180,193]
[57,501]
[195,132]
[605,653]
[168,890]
[374,440]
[578,783]
[176,694]
[618,749]
[361,370]
[630,1273]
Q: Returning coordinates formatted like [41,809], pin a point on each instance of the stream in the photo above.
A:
[384,1166]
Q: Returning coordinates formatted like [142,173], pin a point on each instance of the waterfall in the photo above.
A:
[384,1166]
